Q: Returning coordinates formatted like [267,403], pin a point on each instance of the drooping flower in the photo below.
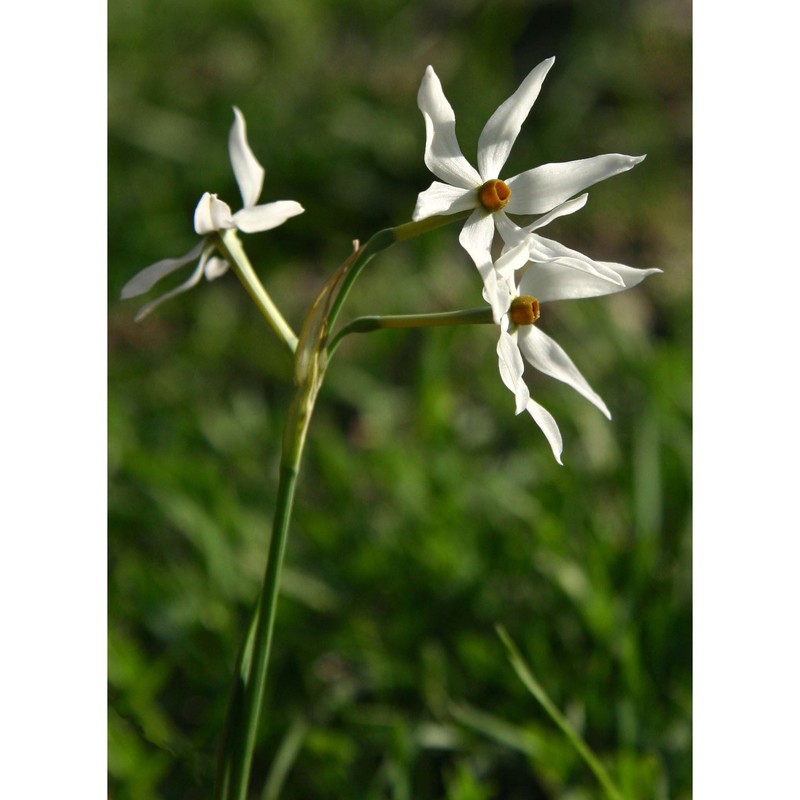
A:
[560,278]
[461,187]
[213,215]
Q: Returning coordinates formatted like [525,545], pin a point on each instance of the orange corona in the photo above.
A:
[524,310]
[494,195]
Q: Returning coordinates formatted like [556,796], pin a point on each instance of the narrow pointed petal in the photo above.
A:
[513,259]
[145,280]
[212,215]
[541,189]
[476,238]
[541,250]
[512,234]
[601,270]
[266,216]
[509,231]
[502,129]
[441,198]
[512,368]
[553,280]
[497,292]
[215,267]
[570,207]
[248,172]
[511,372]
[193,280]
[546,250]
[443,156]
[541,352]
[544,419]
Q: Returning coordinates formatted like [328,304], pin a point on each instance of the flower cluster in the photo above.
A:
[211,216]
[520,269]
[530,268]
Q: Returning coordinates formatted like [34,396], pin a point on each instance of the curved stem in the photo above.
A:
[381,241]
[311,356]
[231,247]
[469,316]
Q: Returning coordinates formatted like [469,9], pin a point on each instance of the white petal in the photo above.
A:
[443,156]
[212,215]
[552,280]
[544,419]
[215,268]
[500,132]
[513,234]
[248,172]
[476,236]
[441,198]
[599,269]
[511,369]
[547,356]
[145,280]
[541,250]
[570,207]
[193,280]
[509,231]
[544,250]
[497,292]
[266,216]
[541,189]
[512,259]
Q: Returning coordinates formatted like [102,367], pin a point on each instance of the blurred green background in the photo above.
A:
[427,512]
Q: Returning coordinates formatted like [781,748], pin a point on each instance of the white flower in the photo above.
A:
[520,338]
[213,215]
[536,191]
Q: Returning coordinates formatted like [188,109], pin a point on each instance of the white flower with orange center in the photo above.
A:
[461,187]
[521,339]
[211,216]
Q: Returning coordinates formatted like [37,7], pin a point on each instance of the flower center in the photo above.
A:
[494,194]
[524,310]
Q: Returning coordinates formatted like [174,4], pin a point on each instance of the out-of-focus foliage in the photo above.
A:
[426,512]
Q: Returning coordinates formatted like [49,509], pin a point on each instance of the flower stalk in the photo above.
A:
[469,316]
[311,353]
[231,247]
[247,696]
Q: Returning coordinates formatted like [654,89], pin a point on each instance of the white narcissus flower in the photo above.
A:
[462,187]
[213,215]
[522,340]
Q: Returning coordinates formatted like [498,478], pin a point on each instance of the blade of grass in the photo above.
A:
[285,758]
[537,690]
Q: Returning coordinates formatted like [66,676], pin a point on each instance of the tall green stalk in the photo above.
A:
[248,695]
[311,353]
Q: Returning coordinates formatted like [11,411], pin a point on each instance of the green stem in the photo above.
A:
[469,316]
[246,703]
[311,356]
[234,253]
[381,241]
